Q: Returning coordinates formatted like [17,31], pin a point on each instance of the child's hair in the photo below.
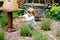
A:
[31,10]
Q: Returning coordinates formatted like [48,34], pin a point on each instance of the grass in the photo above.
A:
[25,31]
[3,20]
[58,33]
[45,25]
[2,34]
[39,35]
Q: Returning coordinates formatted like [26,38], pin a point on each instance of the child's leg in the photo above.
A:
[33,27]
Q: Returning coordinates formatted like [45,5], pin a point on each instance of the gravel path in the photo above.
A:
[51,33]
[16,36]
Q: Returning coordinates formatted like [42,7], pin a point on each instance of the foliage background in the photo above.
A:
[53,11]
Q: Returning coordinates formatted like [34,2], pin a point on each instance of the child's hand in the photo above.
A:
[24,20]
[21,17]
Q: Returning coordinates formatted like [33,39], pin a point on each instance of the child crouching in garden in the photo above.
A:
[29,18]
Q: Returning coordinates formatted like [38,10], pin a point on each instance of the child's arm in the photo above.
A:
[21,17]
[28,20]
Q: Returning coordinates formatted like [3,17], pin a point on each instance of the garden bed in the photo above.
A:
[16,36]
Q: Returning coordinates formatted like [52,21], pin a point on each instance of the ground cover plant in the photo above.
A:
[39,35]
[25,31]
[58,33]
[2,34]
[45,25]
[3,20]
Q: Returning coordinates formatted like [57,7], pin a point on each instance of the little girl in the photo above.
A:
[29,18]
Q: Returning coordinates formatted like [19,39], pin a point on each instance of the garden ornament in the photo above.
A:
[10,5]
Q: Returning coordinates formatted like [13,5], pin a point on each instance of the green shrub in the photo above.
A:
[44,37]
[3,20]
[45,25]
[53,12]
[39,36]
[15,14]
[2,34]
[25,31]
[58,33]
[36,35]
[21,12]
